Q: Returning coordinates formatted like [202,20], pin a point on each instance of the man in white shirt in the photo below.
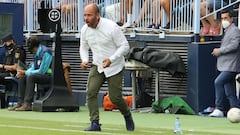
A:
[108,45]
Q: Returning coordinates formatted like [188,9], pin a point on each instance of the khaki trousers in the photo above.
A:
[95,81]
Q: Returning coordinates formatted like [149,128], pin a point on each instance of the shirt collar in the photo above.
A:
[99,23]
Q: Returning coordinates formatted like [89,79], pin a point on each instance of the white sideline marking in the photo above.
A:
[76,126]
[57,129]
[117,129]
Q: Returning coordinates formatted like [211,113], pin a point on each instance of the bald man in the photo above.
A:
[108,45]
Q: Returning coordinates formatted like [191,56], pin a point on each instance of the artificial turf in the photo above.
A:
[73,123]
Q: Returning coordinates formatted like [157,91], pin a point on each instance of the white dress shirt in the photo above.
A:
[105,41]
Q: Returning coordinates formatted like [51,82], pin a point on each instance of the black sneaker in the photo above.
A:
[167,26]
[151,26]
[129,122]
[95,126]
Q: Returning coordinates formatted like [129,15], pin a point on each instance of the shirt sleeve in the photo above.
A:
[84,47]
[121,43]
[45,63]
[233,46]
[27,73]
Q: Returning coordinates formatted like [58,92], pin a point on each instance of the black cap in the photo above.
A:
[7,38]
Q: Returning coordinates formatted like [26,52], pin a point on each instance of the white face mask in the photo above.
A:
[225,24]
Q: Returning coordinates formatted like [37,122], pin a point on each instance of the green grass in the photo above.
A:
[73,123]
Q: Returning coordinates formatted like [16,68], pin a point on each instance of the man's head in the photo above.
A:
[8,41]
[33,44]
[227,18]
[91,15]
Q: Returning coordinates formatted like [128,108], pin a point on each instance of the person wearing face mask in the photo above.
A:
[228,63]
[40,72]
[13,54]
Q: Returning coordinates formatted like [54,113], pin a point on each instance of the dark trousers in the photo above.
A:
[2,76]
[225,86]
[27,85]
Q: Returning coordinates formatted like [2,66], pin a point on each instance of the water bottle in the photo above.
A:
[177,129]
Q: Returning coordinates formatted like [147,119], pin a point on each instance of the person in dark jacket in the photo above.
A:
[40,72]
[13,54]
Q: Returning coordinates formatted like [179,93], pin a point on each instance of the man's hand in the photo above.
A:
[84,65]
[20,73]
[215,52]
[106,63]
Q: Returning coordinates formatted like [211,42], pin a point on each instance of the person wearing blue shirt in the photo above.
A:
[39,72]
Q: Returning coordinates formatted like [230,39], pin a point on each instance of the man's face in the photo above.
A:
[91,17]
[226,17]
[9,42]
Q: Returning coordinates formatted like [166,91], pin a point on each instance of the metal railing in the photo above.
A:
[139,13]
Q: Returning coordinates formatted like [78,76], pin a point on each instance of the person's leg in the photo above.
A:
[128,10]
[219,96]
[203,11]
[143,12]
[230,91]
[156,13]
[225,80]
[95,81]
[21,94]
[2,77]
[115,94]
[31,81]
[166,6]
[130,6]
[214,26]
[121,22]
[21,89]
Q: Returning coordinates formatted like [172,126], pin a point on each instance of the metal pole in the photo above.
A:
[80,15]
[30,15]
[196,17]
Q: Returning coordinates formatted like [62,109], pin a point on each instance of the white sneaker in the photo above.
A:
[126,25]
[216,113]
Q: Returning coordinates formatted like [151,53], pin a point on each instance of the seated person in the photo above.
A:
[40,72]
[155,6]
[13,54]
[125,7]
[210,25]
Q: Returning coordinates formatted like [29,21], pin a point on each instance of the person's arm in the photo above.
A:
[234,44]
[29,70]
[2,66]
[121,43]
[84,47]
[11,67]
[45,65]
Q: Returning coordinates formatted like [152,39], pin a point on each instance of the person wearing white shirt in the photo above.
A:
[108,45]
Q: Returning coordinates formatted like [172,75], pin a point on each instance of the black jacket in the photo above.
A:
[155,58]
